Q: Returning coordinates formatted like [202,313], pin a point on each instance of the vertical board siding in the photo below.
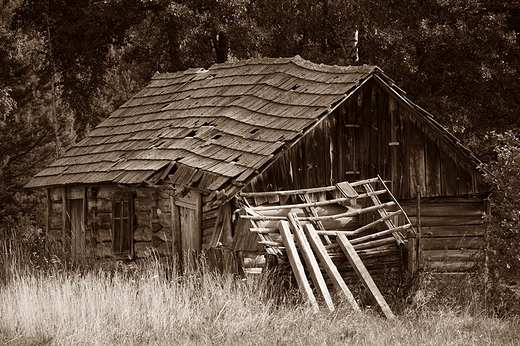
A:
[373,133]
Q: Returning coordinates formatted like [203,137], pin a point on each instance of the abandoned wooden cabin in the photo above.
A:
[167,171]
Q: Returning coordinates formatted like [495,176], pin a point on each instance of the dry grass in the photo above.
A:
[141,305]
[48,302]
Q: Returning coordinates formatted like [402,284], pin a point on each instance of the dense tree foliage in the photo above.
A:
[65,65]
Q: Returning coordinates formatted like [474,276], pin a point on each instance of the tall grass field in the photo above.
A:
[148,304]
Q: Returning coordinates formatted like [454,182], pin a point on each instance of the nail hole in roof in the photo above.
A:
[295,87]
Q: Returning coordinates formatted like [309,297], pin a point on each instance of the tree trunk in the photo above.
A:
[174,49]
[220,43]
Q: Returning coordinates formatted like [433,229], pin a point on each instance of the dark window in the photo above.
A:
[123,227]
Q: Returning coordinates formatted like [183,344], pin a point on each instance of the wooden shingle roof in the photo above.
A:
[211,127]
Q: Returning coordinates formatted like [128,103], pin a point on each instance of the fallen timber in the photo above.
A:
[336,235]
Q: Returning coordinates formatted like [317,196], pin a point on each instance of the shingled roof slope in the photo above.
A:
[212,125]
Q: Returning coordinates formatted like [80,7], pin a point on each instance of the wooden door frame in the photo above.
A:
[192,201]
[69,247]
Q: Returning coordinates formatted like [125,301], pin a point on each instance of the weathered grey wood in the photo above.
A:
[383,213]
[308,256]
[329,266]
[352,212]
[380,234]
[311,211]
[346,189]
[376,222]
[296,264]
[176,230]
[363,274]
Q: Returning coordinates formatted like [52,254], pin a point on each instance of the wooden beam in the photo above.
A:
[380,234]
[352,212]
[296,264]
[373,223]
[347,190]
[329,266]
[363,274]
[308,256]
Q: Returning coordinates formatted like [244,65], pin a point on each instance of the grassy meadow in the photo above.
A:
[148,304]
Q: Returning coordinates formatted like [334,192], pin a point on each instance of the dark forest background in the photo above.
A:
[65,65]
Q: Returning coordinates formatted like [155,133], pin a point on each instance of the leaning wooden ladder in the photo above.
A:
[306,240]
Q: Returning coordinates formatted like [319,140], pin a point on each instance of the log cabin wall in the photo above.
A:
[452,231]
[151,221]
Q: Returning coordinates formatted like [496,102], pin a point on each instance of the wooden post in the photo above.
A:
[418,242]
[47,219]
[363,274]
[487,206]
[296,264]
[65,237]
[176,232]
[308,256]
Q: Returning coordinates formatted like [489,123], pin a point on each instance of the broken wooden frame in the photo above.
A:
[347,220]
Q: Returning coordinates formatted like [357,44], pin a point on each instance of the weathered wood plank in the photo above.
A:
[380,234]
[461,220]
[351,212]
[308,256]
[449,171]
[453,243]
[296,264]
[329,266]
[453,231]
[433,164]
[363,274]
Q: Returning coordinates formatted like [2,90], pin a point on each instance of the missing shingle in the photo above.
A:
[216,137]
[236,158]
[191,134]
[155,146]
[295,87]
[254,131]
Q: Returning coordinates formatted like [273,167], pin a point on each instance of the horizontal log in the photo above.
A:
[451,266]
[453,231]
[104,235]
[452,243]
[210,223]
[451,255]
[55,222]
[56,195]
[103,219]
[447,209]
[143,234]
[212,214]
[431,221]
[102,250]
